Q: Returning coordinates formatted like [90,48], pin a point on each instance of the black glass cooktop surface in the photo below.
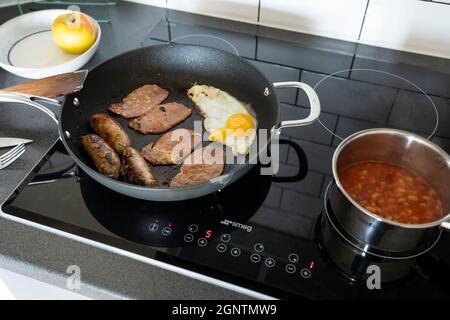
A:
[265,233]
[239,234]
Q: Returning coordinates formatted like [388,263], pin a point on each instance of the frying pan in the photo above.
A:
[175,67]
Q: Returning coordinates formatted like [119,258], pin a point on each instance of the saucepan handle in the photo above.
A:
[314,104]
[446,225]
[31,101]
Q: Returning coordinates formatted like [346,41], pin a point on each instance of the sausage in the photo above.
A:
[136,169]
[104,157]
[110,130]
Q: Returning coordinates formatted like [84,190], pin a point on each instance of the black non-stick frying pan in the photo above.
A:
[174,67]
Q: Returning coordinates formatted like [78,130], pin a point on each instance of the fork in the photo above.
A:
[12,155]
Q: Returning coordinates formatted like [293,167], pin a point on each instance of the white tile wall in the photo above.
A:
[241,10]
[410,25]
[330,18]
[416,26]
[157,3]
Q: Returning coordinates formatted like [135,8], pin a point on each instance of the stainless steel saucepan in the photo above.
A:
[408,151]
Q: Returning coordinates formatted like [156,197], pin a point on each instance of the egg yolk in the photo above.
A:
[237,124]
[240,122]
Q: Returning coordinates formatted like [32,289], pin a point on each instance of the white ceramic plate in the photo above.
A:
[27,48]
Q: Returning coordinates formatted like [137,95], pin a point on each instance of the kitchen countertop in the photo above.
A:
[46,256]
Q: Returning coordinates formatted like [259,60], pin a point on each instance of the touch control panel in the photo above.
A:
[236,247]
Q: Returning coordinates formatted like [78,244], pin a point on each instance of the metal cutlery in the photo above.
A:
[11,142]
[12,155]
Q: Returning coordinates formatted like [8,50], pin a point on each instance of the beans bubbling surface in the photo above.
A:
[392,192]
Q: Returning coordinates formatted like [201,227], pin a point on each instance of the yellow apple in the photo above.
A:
[74,32]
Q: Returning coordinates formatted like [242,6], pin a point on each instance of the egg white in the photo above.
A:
[216,106]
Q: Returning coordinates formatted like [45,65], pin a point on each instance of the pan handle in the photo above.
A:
[314,104]
[31,101]
[446,225]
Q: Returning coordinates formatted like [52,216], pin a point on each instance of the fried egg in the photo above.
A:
[227,120]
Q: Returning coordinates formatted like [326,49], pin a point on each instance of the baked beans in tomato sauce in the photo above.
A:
[391,192]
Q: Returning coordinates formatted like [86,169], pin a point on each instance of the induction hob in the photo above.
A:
[235,235]
[262,233]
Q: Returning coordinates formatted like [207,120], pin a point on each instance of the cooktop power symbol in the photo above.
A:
[153,227]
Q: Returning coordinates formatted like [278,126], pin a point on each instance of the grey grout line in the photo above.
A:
[357,41]
[259,11]
[281,198]
[324,180]
[276,64]
[338,118]
[169,29]
[256,47]
[298,68]
[351,65]
[434,1]
[392,106]
[297,93]
[257,25]
[363,20]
